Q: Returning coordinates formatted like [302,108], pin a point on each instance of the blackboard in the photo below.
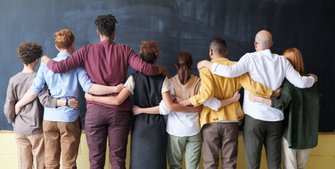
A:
[178,25]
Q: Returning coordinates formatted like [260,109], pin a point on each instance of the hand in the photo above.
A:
[254,98]
[177,99]
[204,63]
[164,71]
[315,77]
[119,87]
[236,96]
[45,59]
[136,110]
[198,109]
[17,108]
[13,124]
[276,93]
[88,96]
[74,103]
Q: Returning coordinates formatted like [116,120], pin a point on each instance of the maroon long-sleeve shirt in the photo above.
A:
[106,63]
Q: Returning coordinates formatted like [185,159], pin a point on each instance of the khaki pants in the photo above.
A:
[293,158]
[61,137]
[216,136]
[30,151]
[176,146]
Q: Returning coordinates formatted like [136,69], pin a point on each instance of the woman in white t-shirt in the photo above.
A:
[183,128]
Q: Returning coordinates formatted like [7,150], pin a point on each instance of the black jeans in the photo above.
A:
[255,134]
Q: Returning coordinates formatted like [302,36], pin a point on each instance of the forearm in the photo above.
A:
[266,101]
[226,102]
[107,100]
[60,103]
[150,110]
[181,108]
[27,98]
[227,71]
[102,90]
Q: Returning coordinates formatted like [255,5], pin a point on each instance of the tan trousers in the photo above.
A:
[216,136]
[61,137]
[293,158]
[30,151]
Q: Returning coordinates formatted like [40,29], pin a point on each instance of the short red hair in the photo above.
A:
[64,38]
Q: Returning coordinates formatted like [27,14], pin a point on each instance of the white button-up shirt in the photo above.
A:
[266,68]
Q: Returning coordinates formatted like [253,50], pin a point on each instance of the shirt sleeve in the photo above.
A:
[166,85]
[284,100]
[74,61]
[163,110]
[254,87]
[83,79]
[207,83]
[130,84]
[141,66]
[47,100]
[10,103]
[296,79]
[39,81]
[235,70]
[213,103]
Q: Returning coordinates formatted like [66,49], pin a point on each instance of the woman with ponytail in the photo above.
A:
[183,128]
[148,137]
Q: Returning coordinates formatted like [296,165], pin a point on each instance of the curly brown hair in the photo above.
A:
[64,38]
[28,52]
[149,51]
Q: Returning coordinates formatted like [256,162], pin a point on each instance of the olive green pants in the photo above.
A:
[176,146]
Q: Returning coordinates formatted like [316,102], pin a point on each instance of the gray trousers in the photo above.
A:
[216,136]
[255,134]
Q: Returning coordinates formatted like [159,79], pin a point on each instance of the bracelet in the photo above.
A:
[67,102]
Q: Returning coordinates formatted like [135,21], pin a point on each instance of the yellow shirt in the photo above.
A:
[224,88]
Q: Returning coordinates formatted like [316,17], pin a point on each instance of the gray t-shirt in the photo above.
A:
[29,120]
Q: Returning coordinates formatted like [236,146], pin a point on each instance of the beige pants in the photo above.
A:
[30,151]
[293,158]
[61,137]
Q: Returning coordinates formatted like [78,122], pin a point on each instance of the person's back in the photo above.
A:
[268,69]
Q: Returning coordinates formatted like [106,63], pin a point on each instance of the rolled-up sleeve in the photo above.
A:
[83,79]
[39,81]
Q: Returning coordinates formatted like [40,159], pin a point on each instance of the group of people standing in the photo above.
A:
[183,114]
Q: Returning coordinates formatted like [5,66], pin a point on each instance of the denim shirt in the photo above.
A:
[62,86]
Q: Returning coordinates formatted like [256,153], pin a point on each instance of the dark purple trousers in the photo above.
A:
[102,122]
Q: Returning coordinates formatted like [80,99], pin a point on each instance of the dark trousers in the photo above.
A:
[255,134]
[100,122]
[216,136]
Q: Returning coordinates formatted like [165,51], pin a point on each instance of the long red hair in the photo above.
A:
[294,56]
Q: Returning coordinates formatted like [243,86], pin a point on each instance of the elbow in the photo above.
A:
[118,101]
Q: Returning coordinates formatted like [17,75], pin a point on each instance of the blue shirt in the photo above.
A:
[62,86]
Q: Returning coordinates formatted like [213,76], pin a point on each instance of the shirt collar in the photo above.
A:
[219,59]
[266,52]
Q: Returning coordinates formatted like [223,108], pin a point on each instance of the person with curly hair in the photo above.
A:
[62,126]
[28,124]
[106,63]
[148,136]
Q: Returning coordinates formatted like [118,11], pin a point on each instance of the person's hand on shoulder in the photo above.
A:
[204,64]
[45,59]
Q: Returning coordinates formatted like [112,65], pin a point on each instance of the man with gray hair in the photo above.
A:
[263,124]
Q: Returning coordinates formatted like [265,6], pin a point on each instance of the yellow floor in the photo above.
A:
[322,157]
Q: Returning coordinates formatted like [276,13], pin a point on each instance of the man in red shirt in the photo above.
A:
[106,63]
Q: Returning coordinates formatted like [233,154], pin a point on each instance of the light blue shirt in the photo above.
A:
[62,86]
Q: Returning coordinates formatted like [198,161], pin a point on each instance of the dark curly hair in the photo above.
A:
[105,24]
[28,52]
[149,51]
